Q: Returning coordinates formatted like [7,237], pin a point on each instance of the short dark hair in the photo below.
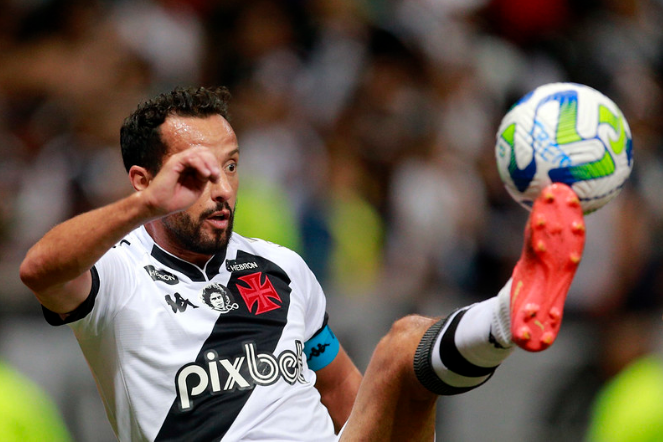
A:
[140,138]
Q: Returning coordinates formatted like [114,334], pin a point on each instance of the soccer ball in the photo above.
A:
[568,133]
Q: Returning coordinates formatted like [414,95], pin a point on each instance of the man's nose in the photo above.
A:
[222,189]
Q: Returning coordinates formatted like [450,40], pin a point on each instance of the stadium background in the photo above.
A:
[367,131]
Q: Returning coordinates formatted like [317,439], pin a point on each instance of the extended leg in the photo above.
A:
[421,358]
[392,405]
[418,360]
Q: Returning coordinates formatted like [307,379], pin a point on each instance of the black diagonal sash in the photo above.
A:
[236,356]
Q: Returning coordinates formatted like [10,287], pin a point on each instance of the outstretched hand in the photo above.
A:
[181,180]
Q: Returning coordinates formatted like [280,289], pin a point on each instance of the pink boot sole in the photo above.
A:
[554,241]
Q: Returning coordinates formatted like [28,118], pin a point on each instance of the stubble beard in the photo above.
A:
[190,236]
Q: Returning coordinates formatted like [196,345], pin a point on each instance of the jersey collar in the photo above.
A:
[195,273]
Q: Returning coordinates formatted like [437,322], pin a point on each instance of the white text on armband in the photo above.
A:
[225,375]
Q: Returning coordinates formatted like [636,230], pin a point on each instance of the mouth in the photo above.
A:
[219,219]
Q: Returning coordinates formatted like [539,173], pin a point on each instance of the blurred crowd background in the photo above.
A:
[367,131]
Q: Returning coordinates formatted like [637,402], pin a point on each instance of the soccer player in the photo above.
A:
[133,280]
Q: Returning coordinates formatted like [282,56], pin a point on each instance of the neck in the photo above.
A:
[164,240]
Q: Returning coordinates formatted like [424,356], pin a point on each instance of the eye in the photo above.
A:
[231,167]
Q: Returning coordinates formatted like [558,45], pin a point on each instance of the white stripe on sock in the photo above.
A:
[472,339]
[473,336]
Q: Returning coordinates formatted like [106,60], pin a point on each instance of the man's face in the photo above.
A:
[205,227]
[217,301]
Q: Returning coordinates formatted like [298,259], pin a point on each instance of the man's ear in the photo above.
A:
[140,178]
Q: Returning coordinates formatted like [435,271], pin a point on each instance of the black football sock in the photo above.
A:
[461,352]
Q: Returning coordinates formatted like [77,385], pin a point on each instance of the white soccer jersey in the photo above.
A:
[202,354]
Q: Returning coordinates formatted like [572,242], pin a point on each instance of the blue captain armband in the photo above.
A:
[321,349]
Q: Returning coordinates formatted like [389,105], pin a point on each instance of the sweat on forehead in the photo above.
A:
[179,133]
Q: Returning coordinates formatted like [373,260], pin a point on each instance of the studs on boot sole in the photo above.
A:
[555,315]
[540,246]
[531,310]
[524,334]
[578,227]
[548,338]
[540,221]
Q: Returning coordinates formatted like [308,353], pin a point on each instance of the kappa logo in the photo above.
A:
[259,294]
[317,351]
[179,304]
[161,275]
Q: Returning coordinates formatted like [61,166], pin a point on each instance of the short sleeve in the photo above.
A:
[112,284]
[316,303]
[81,311]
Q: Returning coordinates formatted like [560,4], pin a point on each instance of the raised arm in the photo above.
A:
[57,267]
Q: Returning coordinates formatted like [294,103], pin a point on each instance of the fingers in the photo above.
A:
[181,180]
[198,162]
